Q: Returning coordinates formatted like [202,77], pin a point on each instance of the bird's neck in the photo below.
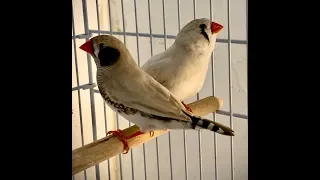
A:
[188,51]
[101,82]
[191,49]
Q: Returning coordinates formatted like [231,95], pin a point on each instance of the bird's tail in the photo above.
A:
[211,125]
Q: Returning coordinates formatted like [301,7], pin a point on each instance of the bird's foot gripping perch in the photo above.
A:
[186,106]
[118,133]
[124,139]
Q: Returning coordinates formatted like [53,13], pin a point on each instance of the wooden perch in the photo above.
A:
[107,147]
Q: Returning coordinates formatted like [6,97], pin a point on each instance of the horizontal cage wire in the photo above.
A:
[148,27]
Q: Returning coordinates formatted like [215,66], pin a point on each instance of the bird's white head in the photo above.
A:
[199,35]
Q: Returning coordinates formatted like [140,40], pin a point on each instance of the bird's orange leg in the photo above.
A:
[124,139]
[186,106]
[118,133]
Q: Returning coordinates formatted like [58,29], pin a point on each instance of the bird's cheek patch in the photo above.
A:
[108,56]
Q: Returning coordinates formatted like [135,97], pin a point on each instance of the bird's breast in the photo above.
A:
[188,79]
[185,88]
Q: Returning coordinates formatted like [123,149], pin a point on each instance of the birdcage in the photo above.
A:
[148,27]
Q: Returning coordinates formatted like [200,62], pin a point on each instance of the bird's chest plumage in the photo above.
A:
[188,78]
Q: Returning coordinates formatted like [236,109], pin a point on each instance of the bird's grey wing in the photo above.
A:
[144,93]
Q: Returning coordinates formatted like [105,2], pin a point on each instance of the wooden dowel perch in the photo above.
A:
[107,147]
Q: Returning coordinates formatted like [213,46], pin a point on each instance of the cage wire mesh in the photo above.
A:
[148,27]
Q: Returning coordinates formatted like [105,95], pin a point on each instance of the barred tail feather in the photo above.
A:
[211,125]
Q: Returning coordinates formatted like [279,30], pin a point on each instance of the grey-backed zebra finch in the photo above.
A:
[182,68]
[136,96]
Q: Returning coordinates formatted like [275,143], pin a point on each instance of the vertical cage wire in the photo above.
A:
[165,48]
[125,43]
[106,130]
[98,16]
[198,97]
[117,116]
[230,86]
[78,84]
[214,114]
[151,50]
[138,54]
[104,104]
[92,102]
[184,131]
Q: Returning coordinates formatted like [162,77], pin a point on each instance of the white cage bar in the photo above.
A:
[83,86]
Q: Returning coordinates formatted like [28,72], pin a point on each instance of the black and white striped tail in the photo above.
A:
[211,126]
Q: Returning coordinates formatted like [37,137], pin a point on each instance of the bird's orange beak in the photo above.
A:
[87,47]
[215,27]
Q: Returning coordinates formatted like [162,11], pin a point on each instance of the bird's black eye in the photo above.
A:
[203,32]
[101,46]
[203,26]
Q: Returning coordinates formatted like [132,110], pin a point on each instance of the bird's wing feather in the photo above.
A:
[149,96]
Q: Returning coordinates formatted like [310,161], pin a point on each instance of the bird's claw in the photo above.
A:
[186,106]
[151,133]
[118,133]
[124,139]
